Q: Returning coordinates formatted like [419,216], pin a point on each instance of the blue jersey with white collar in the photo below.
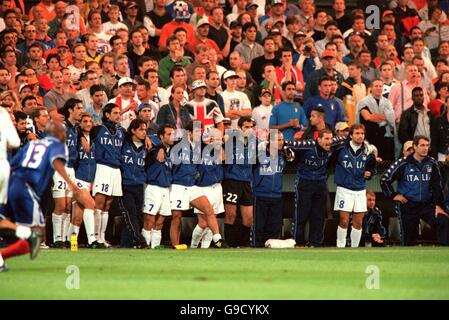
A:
[312,159]
[133,162]
[158,173]
[351,167]
[210,170]
[185,157]
[267,180]
[86,166]
[108,140]
[417,181]
[34,162]
[240,158]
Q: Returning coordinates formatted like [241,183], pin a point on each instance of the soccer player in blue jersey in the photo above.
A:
[158,179]
[355,165]
[108,139]
[84,173]
[184,192]
[62,194]
[133,179]
[419,193]
[238,175]
[311,185]
[32,168]
[210,176]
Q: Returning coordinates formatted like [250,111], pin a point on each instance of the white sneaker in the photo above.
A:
[44,246]
[107,244]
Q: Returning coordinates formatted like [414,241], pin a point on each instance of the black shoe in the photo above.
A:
[67,244]
[58,245]
[96,245]
[35,243]
[220,244]
[141,245]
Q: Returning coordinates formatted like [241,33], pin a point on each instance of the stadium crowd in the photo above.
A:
[125,76]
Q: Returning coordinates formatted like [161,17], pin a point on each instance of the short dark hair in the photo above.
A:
[135,124]
[418,138]
[244,119]
[330,23]
[108,109]
[20,115]
[248,25]
[163,127]
[356,126]
[319,109]
[95,88]
[70,104]
[417,89]
[285,84]
[27,98]
[324,78]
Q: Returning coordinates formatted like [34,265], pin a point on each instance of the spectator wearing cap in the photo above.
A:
[330,30]
[126,101]
[376,113]
[261,114]
[200,37]
[328,62]
[218,32]
[235,29]
[147,112]
[356,43]
[342,129]
[249,49]
[256,69]
[178,22]
[98,98]
[204,110]
[55,99]
[343,20]
[334,113]
[173,58]
[288,116]
[132,12]
[236,103]
[277,10]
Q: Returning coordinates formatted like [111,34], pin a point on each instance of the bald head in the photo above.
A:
[56,129]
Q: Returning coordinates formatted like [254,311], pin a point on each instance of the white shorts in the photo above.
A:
[60,187]
[84,184]
[214,194]
[156,201]
[350,200]
[108,181]
[4,178]
[181,196]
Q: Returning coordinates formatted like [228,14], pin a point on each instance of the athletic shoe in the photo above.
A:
[3,268]
[106,244]
[44,245]
[35,243]
[220,244]
[159,247]
[96,245]
[141,245]
[67,244]
[58,245]
[180,247]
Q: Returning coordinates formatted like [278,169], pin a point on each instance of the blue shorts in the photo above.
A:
[23,204]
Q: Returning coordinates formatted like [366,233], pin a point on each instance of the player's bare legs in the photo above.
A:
[175,227]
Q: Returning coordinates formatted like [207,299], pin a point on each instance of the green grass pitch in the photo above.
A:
[328,273]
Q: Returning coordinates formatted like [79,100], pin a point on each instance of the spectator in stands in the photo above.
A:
[268,57]
[343,20]
[236,103]
[330,29]
[261,114]
[333,111]
[328,61]
[437,105]
[174,57]
[249,48]
[376,113]
[98,98]
[160,95]
[174,113]
[56,97]
[288,116]
[416,120]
